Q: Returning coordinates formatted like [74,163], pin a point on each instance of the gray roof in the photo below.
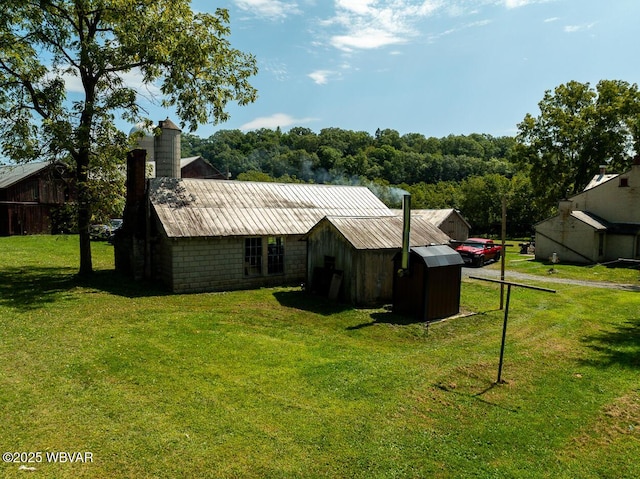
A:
[437,217]
[436,256]
[599,179]
[385,232]
[590,219]
[215,208]
[12,174]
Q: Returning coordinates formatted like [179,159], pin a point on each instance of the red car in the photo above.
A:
[477,251]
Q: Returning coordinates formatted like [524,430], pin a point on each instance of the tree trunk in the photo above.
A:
[84,214]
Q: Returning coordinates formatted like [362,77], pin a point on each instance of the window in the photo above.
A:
[624,182]
[275,255]
[252,256]
[600,244]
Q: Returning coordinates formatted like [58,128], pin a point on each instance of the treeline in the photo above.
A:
[471,173]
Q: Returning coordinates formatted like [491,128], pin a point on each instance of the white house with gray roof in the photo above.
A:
[600,224]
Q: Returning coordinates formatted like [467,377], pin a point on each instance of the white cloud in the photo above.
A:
[273,9]
[578,28]
[320,77]
[281,120]
[132,79]
[516,3]
[371,24]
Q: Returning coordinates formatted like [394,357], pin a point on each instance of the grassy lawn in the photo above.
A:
[276,384]
[523,263]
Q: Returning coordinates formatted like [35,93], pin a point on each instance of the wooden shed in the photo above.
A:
[352,257]
[30,195]
[430,288]
[449,220]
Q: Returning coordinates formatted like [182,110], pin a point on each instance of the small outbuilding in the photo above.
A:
[32,197]
[449,220]
[351,258]
[429,288]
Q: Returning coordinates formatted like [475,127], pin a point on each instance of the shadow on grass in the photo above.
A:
[310,302]
[618,347]
[389,317]
[30,288]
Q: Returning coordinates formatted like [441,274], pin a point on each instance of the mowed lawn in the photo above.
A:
[274,383]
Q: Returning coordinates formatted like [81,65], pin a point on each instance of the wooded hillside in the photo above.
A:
[470,173]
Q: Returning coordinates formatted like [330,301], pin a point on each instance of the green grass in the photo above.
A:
[528,264]
[273,383]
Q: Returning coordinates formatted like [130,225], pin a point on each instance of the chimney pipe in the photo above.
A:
[406,230]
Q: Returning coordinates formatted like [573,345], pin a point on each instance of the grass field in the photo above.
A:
[273,383]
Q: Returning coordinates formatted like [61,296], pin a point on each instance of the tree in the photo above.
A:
[45,43]
[579,129]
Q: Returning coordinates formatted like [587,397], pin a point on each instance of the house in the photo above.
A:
[31,196]
[354,255]
[600,224]
[197,235]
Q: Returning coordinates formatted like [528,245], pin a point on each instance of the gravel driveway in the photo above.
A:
[523,278]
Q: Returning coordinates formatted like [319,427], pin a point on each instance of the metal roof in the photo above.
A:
[214,208]
[436,256]
[385,232]
[590,219]
[437,217]
[12,174]
[599,179]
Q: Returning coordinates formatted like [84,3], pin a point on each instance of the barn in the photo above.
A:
[196,235]
[352,257]
[30,195]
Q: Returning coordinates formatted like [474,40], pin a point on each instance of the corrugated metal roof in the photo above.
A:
[386,232]
[204,208]
[12,174]
[437,217]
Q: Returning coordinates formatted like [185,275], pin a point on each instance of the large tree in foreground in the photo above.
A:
[44,44]
[579,128]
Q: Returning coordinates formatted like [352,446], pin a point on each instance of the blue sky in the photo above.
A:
[435,67]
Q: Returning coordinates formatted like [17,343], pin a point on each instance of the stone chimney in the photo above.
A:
[167,150]
[130,241]
[565,207]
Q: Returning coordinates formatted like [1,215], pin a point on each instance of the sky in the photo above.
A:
[435,67]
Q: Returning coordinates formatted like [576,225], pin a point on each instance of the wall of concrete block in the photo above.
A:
[217,264]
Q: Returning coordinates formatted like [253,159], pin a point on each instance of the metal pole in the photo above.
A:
[503,256]
[504,334]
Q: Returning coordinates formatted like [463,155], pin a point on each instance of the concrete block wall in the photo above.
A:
[217,264]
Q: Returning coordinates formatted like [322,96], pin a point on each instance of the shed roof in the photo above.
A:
[12,174]
[383,232]
[436,256]
[437,217]
[214,208]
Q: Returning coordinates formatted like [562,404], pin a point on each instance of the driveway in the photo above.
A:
[523,278]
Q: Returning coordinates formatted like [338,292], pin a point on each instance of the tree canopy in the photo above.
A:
[46,44]
[578,129]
